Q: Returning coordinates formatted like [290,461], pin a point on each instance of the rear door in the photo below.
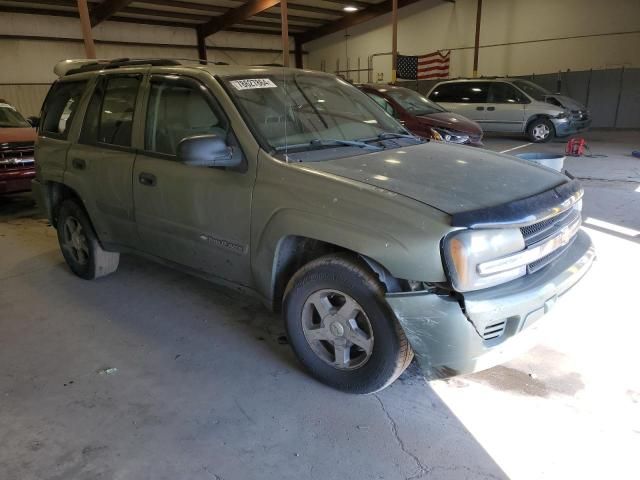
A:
[195,216]
[100,165]
[505,108]
[467,98]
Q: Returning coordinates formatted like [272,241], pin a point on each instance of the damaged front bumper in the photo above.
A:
[496,324]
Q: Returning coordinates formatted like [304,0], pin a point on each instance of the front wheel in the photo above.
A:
[540,130]
[341,328]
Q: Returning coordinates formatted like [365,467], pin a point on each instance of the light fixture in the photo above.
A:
[350,8]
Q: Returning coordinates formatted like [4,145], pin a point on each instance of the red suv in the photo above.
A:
[423,117]
[17,137]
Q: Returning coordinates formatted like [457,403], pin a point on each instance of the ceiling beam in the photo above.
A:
[254,23]
[355,18]
[319,10]
[360,5]
[235,16]
[293,18]
[203,7]
[106,9]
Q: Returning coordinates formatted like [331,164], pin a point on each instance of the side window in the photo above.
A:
[501,92]
[384,104]
[60,107]
[178,109]
[463,92]
[109,118]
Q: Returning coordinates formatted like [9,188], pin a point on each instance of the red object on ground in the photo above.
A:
[576,147]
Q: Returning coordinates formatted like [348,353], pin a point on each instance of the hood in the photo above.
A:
[451,121]
[22,134]
[448,177]
[566,102]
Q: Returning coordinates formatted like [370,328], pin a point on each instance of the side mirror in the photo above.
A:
[34,121]
[207,151]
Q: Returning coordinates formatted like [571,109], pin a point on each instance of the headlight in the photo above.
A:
[465,250]
[452,137]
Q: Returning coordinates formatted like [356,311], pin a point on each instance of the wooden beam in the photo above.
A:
[360,5]
[106,9]
[293,18]
[298,54]
[85,23]
[394,40]
[285,32]
[476,48]
[235,16]
[203,7]
[202,49]
[353,19]
[319,10]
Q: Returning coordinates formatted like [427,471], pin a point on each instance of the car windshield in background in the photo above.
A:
[534,91]
[413,102]
[10,118]
[305,111]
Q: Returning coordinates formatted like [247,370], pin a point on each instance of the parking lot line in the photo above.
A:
[516,148]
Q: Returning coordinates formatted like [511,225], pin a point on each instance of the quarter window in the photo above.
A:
[60,108]
[178,109]
[109,118]
[463,92]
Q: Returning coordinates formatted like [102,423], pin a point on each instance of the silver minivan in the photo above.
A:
[507,105]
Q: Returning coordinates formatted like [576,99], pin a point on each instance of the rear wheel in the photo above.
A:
[341,328]
[79,243]
[540,130]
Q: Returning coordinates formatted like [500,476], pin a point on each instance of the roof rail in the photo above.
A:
[69,67]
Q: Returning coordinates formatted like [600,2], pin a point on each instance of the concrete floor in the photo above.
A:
[151,374]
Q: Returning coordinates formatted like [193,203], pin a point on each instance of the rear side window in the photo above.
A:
[180,108]
[463,92]
[109,118]
[60,108]
[501,92]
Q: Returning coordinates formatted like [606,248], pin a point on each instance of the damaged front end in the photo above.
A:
[473,329]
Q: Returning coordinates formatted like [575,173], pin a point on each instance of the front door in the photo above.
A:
[100,165]
[504,109]
[195,216]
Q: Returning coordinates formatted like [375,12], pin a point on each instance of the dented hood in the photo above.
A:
[448,177]
[567,102]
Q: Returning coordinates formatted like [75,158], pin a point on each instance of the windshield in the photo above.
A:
[413,102]
[308,111]
[10,118]
[534,91]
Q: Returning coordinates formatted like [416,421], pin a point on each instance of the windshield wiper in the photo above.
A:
[388,135]
[329,143]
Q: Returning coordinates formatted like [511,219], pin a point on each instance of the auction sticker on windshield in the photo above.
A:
[251,83]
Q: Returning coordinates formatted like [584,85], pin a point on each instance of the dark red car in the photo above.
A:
[17,137]
[423,117]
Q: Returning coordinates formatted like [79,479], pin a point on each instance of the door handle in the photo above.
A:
[480,108]
[491,109]
[78,164]
[147,179]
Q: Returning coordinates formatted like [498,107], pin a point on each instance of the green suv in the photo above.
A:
[295,187]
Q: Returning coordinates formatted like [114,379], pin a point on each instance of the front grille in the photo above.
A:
[16,155]
[494,330]
[546,228]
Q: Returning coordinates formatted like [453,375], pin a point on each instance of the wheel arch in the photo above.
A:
[55,194]
[538,116]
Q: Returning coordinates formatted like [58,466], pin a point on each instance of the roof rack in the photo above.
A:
[69,67]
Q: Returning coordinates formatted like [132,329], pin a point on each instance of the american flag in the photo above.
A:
[423,67]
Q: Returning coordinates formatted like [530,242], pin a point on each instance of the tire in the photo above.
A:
[319,332]
[540,130]
[79,244]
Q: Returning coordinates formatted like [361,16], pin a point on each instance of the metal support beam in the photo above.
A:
[356,18]
[202,48]
[106,9]
[298,53]
[394,40]
[85,24]
[476,48]
[285,32]
[235,16]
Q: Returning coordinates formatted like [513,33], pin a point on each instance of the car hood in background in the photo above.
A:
[566,102]
[452,121]
[10,135]
[448,177]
